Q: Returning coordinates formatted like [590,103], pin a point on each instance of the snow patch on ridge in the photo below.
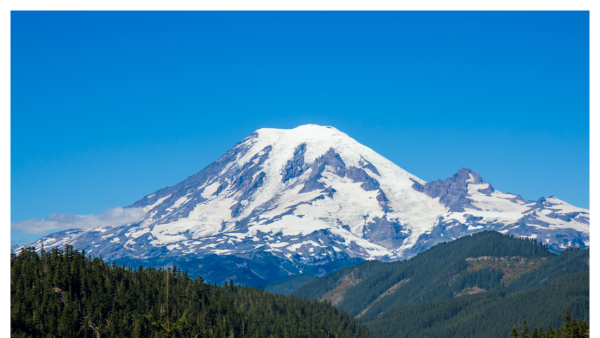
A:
[158,202]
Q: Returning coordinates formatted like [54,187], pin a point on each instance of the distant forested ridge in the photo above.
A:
[476,286]
[63,293]
[486,314]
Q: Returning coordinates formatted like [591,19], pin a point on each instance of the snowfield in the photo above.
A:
[311,196]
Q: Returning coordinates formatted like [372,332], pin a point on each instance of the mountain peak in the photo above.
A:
[466,174]
[454,191]
[307,130]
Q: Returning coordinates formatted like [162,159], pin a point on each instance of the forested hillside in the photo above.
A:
[487,314]
[570,328]
[63,293]
[459,288]
[483,261]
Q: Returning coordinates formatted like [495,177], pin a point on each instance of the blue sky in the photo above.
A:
[110,106]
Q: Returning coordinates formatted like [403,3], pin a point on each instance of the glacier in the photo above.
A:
[311,200]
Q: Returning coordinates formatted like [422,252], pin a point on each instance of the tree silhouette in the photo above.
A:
[167,329]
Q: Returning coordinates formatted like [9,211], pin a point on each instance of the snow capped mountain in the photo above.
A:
[474,205]
[312,199]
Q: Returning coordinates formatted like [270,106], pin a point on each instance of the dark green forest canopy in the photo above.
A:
[428,295]
[570,328]
[488,314]
[63,293]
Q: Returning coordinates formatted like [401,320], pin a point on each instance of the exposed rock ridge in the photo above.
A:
[295,166]
[331,160]
[453,191]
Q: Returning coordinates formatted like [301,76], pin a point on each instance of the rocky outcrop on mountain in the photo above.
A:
[453,192]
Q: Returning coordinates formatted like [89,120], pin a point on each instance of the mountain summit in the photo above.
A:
[311,200]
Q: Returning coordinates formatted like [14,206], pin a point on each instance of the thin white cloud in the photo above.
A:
[58,221]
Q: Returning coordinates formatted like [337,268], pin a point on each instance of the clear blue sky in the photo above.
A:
[110,106]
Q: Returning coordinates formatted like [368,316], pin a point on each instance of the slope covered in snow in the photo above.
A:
[312,199]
